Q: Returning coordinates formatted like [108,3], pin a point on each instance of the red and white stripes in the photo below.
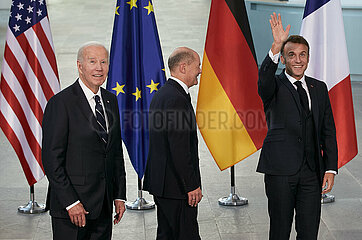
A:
[29,79]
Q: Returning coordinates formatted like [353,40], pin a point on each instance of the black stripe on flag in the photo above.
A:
[238,9]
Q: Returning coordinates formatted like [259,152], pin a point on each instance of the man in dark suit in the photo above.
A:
[82,153]
[299,154]
[172,174]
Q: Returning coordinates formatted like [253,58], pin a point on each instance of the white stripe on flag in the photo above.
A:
[44,64]
[20,95]
[14,123]
[28,71]
[46,27]
[324,30]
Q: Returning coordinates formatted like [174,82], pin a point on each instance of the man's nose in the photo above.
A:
[298,58]
[99,66]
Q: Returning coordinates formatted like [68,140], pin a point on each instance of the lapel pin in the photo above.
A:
[107,101]
[311,85]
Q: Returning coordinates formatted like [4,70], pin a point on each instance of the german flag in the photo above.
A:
[229,111]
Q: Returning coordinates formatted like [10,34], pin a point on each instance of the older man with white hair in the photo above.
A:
[82,153]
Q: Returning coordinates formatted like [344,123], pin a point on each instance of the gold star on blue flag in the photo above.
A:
[135,71]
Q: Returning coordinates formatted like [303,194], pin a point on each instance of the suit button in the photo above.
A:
[300,139]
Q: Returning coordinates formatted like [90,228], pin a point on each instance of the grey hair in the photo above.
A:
[179,55]
[88,44]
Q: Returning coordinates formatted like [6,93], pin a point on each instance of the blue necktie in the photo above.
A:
[101,119]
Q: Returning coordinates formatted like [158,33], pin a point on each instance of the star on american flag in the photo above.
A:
[23,17]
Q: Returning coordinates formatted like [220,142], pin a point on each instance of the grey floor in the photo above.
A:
[180,23]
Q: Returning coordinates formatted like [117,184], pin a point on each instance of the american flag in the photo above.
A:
[29,78]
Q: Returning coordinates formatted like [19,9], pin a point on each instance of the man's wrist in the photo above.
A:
[276,47]
[331,171]
[72,205]
[274,57]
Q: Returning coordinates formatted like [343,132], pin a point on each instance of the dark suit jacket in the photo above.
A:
[173,164]
[77,163]
[282,152]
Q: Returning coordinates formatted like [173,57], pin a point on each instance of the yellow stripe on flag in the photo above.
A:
[219,123]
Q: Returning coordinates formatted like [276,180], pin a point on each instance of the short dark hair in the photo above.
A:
[181,56]
[295,39]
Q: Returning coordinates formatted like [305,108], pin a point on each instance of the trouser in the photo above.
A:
[300,192]
[176,220]
[95,229]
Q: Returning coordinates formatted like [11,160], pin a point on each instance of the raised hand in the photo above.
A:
[279,34]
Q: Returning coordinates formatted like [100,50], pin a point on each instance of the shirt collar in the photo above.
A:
[292,80]
[183,85]
[87,92]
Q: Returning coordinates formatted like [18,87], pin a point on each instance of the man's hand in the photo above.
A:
[279,35]
[120,208]
[194,197]
[77,215]
[328,182]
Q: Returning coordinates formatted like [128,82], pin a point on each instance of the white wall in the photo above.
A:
[5,4]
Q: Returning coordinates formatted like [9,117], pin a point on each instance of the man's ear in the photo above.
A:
[282,59]
[79,66]
[182,68]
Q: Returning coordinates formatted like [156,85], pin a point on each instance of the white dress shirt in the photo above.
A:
[91,100]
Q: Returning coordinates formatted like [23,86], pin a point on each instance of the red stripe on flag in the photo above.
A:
[35,65]
[15,105]
[21,78]
[48,50]
[14,141]
[342,107]
[236,69]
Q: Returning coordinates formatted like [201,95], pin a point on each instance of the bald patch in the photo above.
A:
[181,55]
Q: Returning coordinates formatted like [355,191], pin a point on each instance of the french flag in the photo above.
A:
[323,28]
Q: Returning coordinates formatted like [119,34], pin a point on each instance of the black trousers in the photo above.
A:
[95,229]
[300,193]
[176,220]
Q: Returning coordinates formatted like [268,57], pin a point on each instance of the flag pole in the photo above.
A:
[233,199]
[140,203]
[32,207]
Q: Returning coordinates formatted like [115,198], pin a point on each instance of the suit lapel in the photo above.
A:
[314,99]
[292,90]
[83,104]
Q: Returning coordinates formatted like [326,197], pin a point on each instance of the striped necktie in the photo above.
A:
[101,119]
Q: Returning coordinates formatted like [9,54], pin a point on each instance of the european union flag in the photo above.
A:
[136,72]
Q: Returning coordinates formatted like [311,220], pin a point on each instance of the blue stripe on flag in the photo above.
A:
[313,5]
